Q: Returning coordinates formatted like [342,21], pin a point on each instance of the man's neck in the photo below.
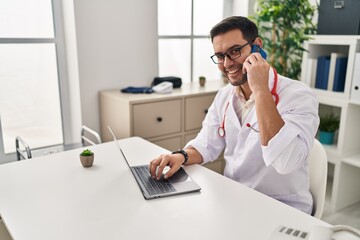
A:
[244,88]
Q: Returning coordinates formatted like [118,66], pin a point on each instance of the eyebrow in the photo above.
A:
[234,46]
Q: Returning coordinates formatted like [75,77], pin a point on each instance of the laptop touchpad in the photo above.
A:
[179,176]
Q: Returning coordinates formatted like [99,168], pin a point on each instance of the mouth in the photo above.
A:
[233,70]
[235,75]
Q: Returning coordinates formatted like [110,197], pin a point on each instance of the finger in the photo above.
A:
[171,172]
[260,58]
[152,169]
[162,165]
[153,166]
[246,65]
[255,56]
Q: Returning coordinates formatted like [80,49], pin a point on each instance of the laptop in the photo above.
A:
[179,183]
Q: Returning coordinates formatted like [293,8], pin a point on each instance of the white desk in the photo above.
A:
[54,197]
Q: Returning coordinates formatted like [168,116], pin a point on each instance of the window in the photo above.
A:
[32,73]
[184,44]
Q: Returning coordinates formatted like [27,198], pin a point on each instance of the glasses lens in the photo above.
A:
[215,59]
[218,58]
[232,54]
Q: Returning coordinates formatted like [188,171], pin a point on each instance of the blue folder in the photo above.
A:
[322,72]
[340,74]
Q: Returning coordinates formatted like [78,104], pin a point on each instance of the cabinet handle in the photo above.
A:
[159,119]
[205,111]
[356,88]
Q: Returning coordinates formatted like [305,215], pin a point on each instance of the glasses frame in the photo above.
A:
[226,54]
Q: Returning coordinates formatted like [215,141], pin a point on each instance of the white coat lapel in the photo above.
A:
[232,119]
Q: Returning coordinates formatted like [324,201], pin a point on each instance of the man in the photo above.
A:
[266,139]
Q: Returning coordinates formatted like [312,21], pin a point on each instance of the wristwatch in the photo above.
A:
[182,152]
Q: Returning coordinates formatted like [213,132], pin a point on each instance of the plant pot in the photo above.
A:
[202,81]
[87,161]
[326,137]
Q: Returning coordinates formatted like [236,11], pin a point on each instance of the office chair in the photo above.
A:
[89,136]
[318,177]
[22,154]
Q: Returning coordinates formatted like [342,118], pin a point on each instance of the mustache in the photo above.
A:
[240,66]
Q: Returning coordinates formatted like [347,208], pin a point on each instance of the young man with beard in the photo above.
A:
[264,122]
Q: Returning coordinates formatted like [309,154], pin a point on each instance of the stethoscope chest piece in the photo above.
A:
[221,132]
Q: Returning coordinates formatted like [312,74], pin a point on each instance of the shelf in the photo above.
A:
[331,98]
[353,160]
[333,39]
[344,155]
[355,102]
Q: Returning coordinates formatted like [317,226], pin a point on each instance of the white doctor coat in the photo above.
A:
[279,170]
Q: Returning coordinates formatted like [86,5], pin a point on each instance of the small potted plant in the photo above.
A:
[328,125]
[87,158]
[202,81]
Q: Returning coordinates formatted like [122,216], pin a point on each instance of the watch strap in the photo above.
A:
[182,152]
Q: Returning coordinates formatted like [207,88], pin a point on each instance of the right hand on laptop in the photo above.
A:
[174,161]
[157,165]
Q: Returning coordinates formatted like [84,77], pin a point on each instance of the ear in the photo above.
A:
[258,42]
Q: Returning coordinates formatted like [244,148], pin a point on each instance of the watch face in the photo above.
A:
[221,132]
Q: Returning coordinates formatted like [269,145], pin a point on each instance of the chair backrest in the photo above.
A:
[23,150]
[89,136]
[318,169]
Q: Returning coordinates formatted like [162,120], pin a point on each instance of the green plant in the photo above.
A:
[202,78]
[283,26]
[329,123]
[87,152]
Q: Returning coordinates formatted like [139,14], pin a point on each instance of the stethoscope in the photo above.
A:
[221,129]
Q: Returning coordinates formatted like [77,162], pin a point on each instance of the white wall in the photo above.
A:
[117,47]
[243,7]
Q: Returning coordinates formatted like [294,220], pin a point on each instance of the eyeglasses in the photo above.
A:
[232,54]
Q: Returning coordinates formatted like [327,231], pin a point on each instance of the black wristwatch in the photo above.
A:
[182,152]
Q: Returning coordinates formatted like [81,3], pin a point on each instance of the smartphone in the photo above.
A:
[257,48]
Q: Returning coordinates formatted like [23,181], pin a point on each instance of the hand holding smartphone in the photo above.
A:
[256,48]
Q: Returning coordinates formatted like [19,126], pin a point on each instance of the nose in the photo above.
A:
[227,61]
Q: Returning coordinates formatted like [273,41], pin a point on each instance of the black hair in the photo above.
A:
[246,26]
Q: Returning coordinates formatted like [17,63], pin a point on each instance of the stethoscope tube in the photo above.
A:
[221,129]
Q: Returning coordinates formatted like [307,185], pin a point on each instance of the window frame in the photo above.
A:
[191,37]
[227,11]
[63,79]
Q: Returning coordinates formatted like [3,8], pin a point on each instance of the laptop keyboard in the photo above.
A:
[153,186]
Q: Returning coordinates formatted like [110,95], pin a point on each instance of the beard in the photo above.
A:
[240,81]
[237,82]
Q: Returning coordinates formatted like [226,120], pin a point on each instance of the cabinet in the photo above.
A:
[344,154]
[168,120]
